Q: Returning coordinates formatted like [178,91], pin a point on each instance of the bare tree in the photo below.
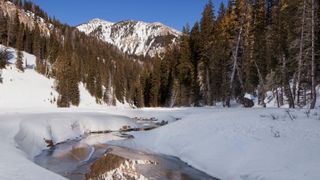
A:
[298,85]
[235,64]
[313,65]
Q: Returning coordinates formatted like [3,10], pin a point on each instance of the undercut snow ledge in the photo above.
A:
[59,127]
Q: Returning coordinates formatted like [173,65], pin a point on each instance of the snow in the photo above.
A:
[18,88]
[234,143]
[130,36]
[23,133]
[13,162]
[241,143]
[60,127]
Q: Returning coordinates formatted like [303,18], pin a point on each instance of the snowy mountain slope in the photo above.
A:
[25,89]
[30,89]
[133,37]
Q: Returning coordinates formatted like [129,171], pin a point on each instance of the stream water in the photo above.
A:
[92,157]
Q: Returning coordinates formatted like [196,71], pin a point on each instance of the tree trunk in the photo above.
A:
[278,103]
[261,94]
[208,87]
[297,87]
[313,65]
[281,103]
[234,68]
[286,83]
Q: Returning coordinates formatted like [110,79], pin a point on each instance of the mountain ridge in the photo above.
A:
[132,36]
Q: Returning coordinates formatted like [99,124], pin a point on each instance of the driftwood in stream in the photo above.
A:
[49,142]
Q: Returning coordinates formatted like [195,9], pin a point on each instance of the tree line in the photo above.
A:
[246,47]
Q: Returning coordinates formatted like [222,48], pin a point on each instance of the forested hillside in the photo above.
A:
[257,47]
[69,56]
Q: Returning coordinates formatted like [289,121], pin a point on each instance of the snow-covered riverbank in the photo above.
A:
[251,144]
[226,143]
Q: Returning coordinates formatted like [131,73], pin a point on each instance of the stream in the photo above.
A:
[91,157]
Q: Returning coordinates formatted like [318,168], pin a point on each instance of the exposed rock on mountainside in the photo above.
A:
[133,37]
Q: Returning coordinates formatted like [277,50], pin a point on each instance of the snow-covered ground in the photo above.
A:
[25,89]
[251,144]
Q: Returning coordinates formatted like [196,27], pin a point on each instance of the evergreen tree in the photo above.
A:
[207,30]
[3,28]
[185,70]
[67,83]
[259,47]
[195,53]
[19,45]
[155,85]
[19,62]
[36,49]
[4,56]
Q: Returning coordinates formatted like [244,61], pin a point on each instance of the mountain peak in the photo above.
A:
[132,36]
[98,20]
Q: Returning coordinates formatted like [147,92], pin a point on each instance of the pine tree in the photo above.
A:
[155,85]
[4,56]
[98,88]
[36,49]
[19,45]
[185,69]
[207,30]
[19,62]
[67,83]
[260,46]
[138,97]
[3,29]
[195,54]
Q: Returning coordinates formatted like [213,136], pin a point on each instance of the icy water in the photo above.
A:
[91,158]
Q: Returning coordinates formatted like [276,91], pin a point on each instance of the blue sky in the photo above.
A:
[174,13]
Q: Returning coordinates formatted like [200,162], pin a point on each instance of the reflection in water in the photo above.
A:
[92,158]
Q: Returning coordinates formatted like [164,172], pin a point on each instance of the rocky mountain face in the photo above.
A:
[26,17]
[133,37]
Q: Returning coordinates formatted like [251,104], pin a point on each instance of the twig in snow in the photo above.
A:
[275,133]
[290,115]
[274,117]
[307,113]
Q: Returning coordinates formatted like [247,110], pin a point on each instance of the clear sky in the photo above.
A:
[174,13]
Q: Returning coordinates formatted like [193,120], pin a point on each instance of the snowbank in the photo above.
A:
[14,163]
[59,127]
[240,143]
[22,137]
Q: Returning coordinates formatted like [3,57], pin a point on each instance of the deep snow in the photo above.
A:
[251,144]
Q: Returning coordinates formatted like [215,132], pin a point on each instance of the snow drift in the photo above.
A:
[246,144]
